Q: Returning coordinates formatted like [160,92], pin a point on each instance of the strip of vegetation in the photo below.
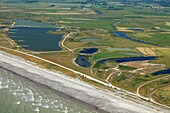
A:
[121,67]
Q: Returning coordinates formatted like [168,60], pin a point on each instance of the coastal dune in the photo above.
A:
[103,100]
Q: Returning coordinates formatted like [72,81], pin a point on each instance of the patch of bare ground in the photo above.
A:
[143,67]
[167,23]
[123,29]
[14,10]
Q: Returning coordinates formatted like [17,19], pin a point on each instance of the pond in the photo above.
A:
[89,50]
[35,36]
[123,35]
[166,71]
[128,59]
[90,39]
[83,61]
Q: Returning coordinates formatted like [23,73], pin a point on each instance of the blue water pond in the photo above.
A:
[89,50]
[120,60]
[166,71]
[83,61]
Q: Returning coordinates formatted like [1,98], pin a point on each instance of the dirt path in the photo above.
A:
[150,99]
[62,42]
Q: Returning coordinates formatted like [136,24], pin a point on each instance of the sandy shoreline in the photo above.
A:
[103,100]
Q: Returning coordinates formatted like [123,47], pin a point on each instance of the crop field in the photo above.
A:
[146,51]
[92,24]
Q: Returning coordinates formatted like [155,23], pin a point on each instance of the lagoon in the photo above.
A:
[35,36]
[36,39]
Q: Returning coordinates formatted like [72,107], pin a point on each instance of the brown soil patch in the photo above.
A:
[144,67]
[123,29]
[138,64]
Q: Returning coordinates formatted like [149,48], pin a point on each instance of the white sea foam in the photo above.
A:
[20,94]
[37,104]
[46,100]
[30,93]
[38,99]
[61,105]
[37,110]
[55,101]
[64,111]
[12,82]
[71,109]
[4,81]
[45,106]
[36,93]
[5,86]
[57,109]
[13,29]
[53,106]
[15,90]
[29,96]
[17,102]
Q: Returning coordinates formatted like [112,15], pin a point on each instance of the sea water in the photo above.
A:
[20,95]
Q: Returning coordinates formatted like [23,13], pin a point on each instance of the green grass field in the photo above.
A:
[104,55]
